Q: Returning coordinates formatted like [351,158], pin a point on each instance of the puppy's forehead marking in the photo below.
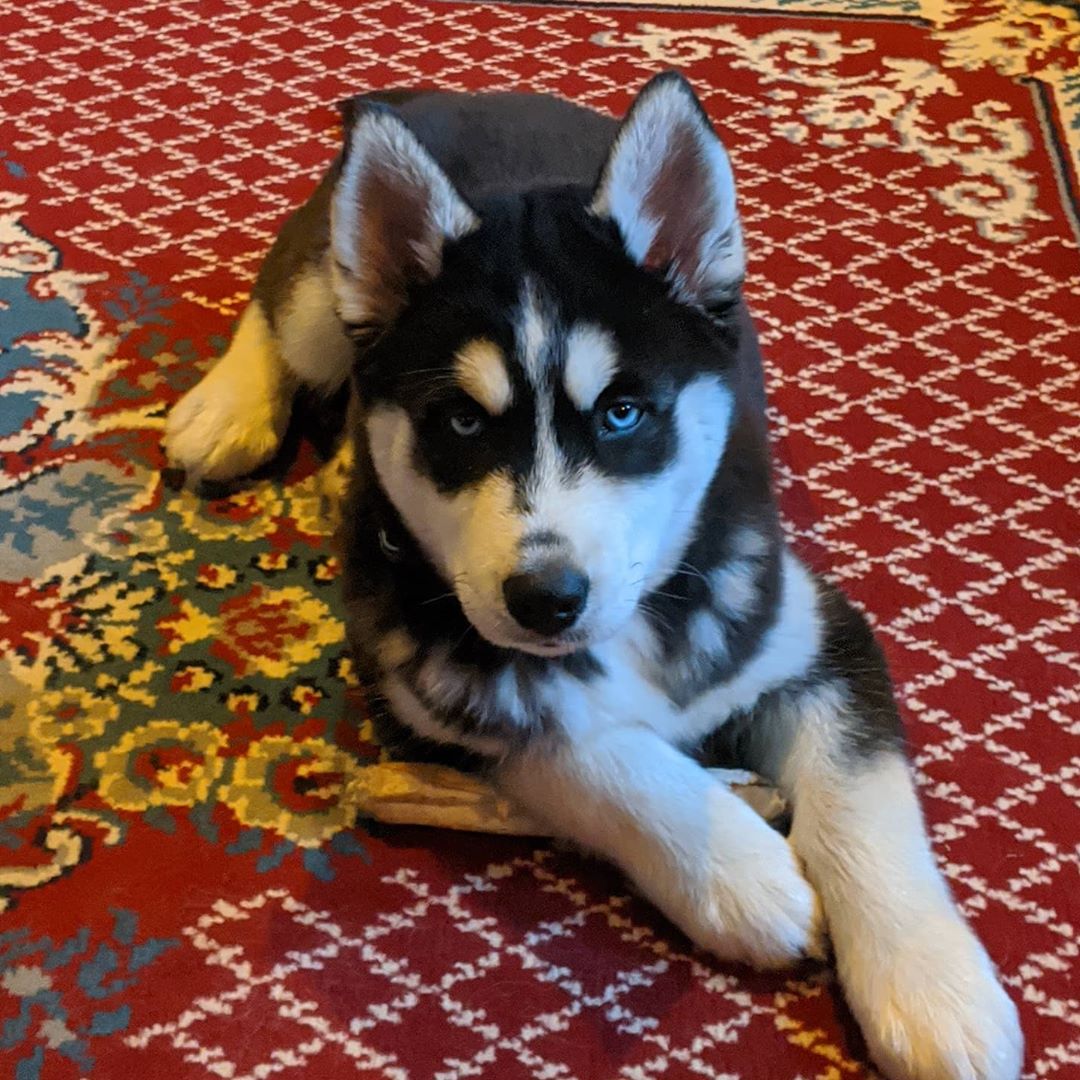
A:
[480,369]
[591,363]
[534,332]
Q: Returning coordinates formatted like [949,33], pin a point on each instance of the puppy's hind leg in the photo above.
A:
[233,420]
[288,336]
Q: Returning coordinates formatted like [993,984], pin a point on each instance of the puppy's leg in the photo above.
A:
[288,336]
[690,845]
[917,979]
[233,420]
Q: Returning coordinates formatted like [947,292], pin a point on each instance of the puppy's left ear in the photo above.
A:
[392,212]
[668,186]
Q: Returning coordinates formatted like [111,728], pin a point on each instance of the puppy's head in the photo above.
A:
[545,394]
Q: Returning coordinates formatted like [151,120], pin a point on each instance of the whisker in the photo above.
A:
[468,630]
[668,595]
[428,371]
[436,599]
[689,570]
[656,618]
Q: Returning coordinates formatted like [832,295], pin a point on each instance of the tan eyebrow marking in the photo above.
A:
[480,368]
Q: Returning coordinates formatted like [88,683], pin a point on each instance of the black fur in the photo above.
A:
[583,274]
[851,662]
[530,183]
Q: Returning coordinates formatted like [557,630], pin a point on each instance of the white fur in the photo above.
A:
[691,846]
[232,421]
[749,543]
[505,699]
[591,362]
[787,650]
[705,635]
[444,684]
[481,372]
[922,987]
[641,152]
[411,710]
[311,337]
[535,333]
[381,143]
[532,332]
[735,588]
[707,646]
[628,535]
[453,687]
[631,659]
[636,227]
[535,338]
[631,685]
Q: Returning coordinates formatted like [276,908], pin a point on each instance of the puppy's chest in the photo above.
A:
[625,681]
[683,684]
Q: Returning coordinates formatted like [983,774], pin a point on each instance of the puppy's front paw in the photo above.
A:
[934,1009]
[757,908]
[220,430]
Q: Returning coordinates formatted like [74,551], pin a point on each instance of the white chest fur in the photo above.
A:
[629,693]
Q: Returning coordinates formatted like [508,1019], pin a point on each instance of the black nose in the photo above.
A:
[547,600]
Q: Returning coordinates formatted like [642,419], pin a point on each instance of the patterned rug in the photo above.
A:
[191,886]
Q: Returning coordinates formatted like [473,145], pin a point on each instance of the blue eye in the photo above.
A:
[466,424]
[622,417]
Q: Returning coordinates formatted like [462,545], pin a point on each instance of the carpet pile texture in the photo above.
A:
[190,887]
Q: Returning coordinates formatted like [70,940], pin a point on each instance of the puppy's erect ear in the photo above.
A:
[392,211]
[668,186]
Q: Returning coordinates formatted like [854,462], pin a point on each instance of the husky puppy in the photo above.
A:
[564,564]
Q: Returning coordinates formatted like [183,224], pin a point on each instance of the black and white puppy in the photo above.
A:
[563,557]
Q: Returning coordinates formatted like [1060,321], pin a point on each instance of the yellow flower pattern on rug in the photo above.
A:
[70,715]
[298,789]
[161,763]
[272,630]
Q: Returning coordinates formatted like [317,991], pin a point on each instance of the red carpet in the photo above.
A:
[188,893]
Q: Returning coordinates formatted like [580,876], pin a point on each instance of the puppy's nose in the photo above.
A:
[547,600]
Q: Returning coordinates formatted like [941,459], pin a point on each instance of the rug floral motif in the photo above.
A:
[191,884]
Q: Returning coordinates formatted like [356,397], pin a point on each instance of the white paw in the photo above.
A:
[756,907]
[218,432]
[934,1009]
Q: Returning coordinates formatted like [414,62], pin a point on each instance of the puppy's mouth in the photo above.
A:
[508,635]
[557,646]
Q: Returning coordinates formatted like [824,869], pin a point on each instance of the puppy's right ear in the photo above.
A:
[391,214]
